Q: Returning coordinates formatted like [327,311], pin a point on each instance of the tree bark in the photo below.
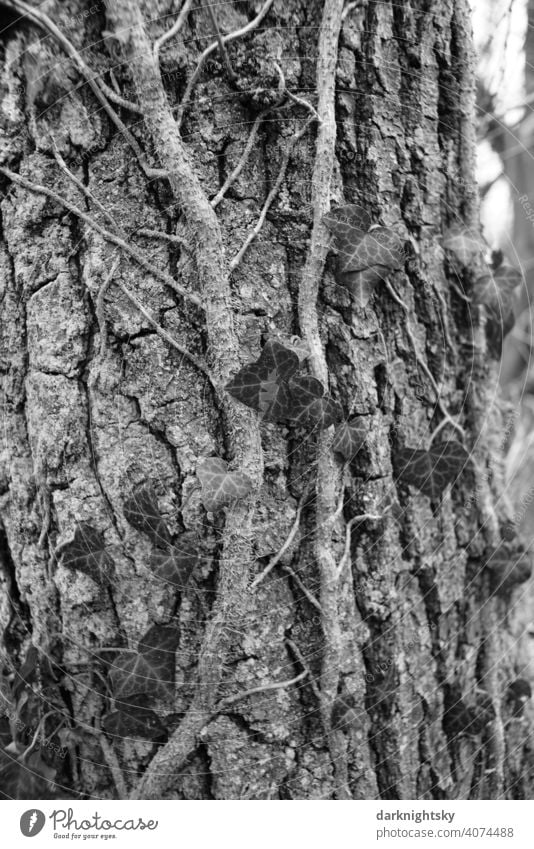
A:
[412,637]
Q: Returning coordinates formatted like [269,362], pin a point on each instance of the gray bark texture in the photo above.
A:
[409,642]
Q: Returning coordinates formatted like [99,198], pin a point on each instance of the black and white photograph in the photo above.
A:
[267,414]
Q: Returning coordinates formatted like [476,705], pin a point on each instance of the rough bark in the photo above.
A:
[412,623]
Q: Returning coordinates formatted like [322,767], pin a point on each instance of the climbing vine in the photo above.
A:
[288,387]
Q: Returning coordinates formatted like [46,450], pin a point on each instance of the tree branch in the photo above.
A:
[241,164]
[222,47]
[111,237]
[100,306]
[422,363]
[112,761]
[241,425]
[264,688]
[209,50]
[252,137]
[131,297]
[234,262]
[290,537]
[305,665]
[329,476]
[174,30]
[96,85]
[350,524]
[83,189]
[202,367]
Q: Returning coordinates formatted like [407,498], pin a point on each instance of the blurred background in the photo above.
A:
[504,37]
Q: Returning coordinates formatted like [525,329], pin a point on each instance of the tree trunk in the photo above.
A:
[392,645]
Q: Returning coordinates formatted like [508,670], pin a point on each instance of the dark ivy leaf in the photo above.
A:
[133,674]
[348,224]
[219,486]
[141,511]
[430,471]
[349,438]
[508,569]
[5,731]
[383,684]
[272,386]
[36,667]
[298,346]
[150,670]
[26,675]
[139,722]
[509,531]
[262,385]
[331,412]
[308,406]
[365,255]
[30,779]
[361,283]
[162,639]
[496,291]
[463,719]
[136,700]
[344,712]
[517,695]
[176,565]
[87,553]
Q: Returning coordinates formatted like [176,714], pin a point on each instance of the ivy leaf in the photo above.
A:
[294,344]
[517,695]
[497,291]
[331,412]
[140,722]
[271,397]
[460,718]
[430,471]
[308,405]
[36,665]
[133,674]
[87,553]
[507,570]
[365,256]
[348,224]
[380,248]
[148,671]
[383,685]
[298,346]
[378,254]
[5,731]
[344,712]
[161,639]
[28,780]
[361,283]
[465,245]
[27,673]
[262,385]
[272,386]
[349,438]
[494,290]
[141,511]
[176,565]
[509,531]
[219,486]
